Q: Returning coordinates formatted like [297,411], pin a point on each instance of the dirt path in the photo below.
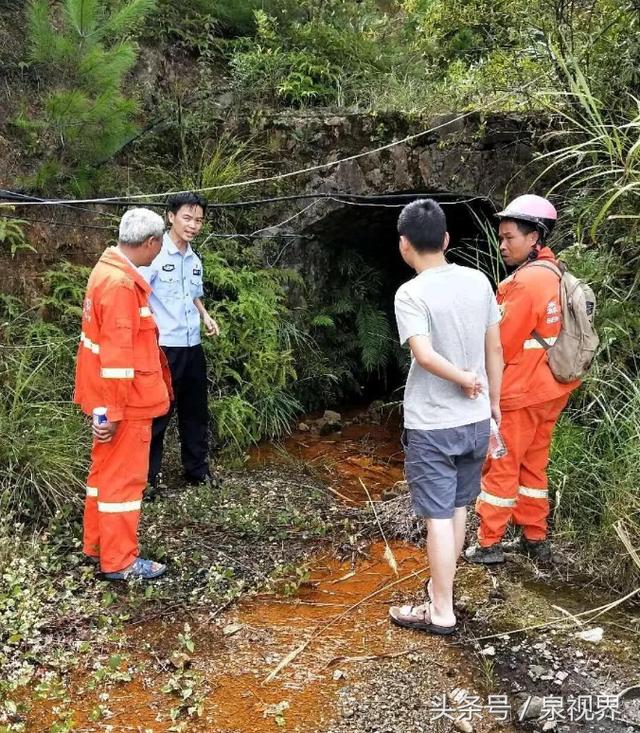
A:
[317,653]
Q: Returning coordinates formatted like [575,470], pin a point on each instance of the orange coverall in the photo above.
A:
[515,487]
[121,367]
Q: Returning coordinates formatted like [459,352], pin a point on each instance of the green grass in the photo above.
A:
[595,469]
[43,437]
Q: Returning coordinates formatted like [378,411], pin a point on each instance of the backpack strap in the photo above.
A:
[558,269]
[546,346]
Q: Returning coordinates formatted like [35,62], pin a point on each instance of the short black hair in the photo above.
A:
[423,224]
[186,198]
[526,227]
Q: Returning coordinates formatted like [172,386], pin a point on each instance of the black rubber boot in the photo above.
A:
[492,555]
[539,550]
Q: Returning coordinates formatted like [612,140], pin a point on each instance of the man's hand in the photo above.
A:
[104,432]
[210,326]
[471,385]
[496,413]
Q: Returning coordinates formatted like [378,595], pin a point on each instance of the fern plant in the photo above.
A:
[84,51]
[64,294]
[356,343]
[12,236]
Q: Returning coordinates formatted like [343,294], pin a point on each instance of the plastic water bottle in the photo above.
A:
[497,447]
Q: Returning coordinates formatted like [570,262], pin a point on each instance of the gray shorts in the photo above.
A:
[443,467]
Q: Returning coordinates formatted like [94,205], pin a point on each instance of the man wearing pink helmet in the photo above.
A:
[514,487]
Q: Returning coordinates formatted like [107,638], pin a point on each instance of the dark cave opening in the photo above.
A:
[367,236]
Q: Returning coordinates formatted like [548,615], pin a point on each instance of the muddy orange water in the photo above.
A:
[320,639]
[360,453]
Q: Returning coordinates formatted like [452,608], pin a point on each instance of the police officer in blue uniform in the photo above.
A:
[175,277]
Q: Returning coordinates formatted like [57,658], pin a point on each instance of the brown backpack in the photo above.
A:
[572,353]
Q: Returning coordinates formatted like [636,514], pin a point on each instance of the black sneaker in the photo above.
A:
[212,481]
[492,555]
[539,550]
[154,487]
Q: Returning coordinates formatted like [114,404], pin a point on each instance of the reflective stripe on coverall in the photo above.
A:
[515,487]
[121,367]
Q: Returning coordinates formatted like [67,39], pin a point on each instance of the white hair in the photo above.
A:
[137,225]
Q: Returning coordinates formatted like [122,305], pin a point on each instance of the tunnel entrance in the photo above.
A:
[360,270]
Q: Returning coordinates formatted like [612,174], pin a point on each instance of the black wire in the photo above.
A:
[351,199]
[17,198]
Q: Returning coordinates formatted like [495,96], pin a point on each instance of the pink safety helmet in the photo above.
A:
[534,209]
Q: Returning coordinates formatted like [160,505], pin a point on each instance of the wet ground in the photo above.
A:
[362,452]
[313,650]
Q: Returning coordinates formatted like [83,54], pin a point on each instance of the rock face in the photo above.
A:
[470,154]
[477,158]
[471,163]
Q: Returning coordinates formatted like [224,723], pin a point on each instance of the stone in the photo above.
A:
[231,629]
[488,651]
[536,671]
[180,660]
[303,427]
[458,695]
[338,674]
[330,422]
[464,726]
[531,708]
[375,411]
[332,416]
[592,635]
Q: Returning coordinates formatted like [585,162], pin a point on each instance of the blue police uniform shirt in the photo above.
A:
[175,279]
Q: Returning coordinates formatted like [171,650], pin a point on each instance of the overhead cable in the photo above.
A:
[353,199]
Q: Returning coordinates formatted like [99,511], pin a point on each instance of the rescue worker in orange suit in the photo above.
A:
[120,367]
[514,487]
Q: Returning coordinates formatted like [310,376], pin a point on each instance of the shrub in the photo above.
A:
[251,364]
[595,466]
[313,55]
[44,440]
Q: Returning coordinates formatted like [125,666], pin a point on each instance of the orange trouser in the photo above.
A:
[116,480]
[515,486]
